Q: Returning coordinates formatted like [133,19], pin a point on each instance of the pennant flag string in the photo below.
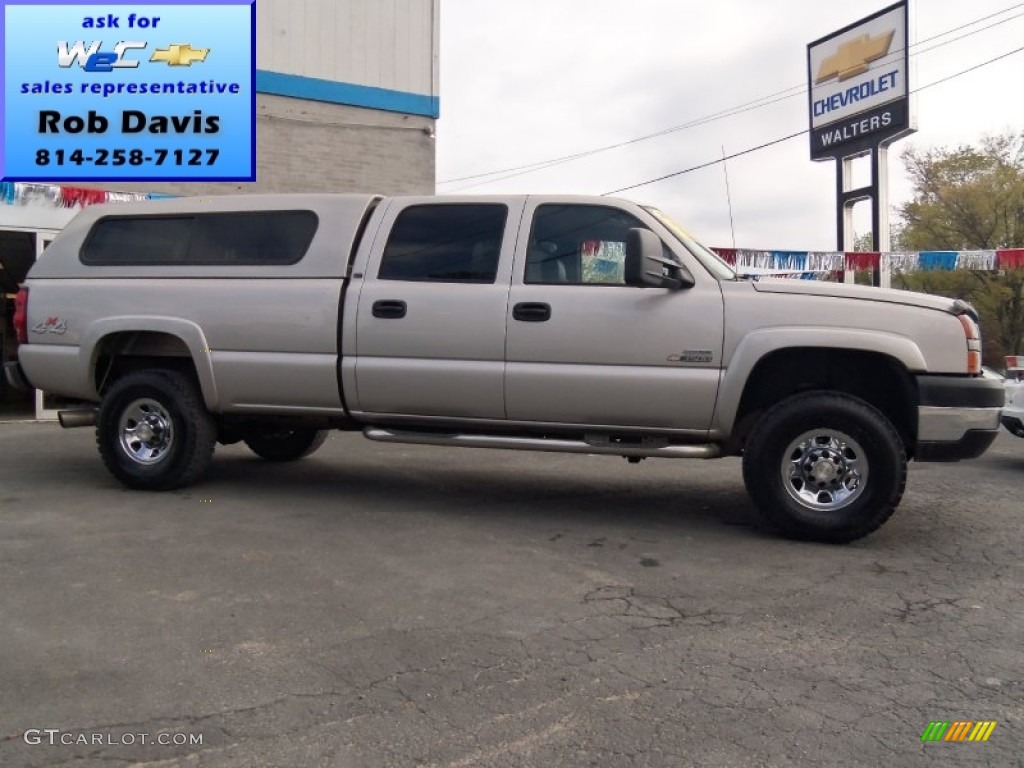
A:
[61,196]
[825,265]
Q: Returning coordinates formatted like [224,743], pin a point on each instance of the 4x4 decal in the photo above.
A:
[55,325]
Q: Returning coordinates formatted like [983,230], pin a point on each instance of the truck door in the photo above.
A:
[584,348]
[430,319]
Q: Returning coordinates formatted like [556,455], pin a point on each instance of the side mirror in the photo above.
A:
[646,264]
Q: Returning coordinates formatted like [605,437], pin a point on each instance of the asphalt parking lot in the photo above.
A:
[381,605]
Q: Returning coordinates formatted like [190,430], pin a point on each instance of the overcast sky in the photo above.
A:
[532,80]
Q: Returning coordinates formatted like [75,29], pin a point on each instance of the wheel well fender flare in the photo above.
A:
[759,344]
[187,332]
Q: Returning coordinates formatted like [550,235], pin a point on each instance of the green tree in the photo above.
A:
[999,299]
[970,198]
[967,198]
[863,242]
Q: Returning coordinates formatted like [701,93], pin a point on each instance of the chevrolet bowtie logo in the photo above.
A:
[180,55]
[853,57]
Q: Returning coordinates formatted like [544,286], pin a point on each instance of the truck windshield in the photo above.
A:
[711,260]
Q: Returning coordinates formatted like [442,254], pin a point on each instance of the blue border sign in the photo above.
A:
[148,90]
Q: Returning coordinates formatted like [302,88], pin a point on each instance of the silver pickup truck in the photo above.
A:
[574,324]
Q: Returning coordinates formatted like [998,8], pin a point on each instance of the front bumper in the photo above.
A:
[958,418]
[16,377]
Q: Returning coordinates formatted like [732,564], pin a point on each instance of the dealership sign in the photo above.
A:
[858,89]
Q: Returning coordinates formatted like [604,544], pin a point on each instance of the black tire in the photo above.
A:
[824,466]
[177,446]
[285,444]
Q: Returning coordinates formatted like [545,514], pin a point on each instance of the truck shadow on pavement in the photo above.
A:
[1009,463]
[557,489]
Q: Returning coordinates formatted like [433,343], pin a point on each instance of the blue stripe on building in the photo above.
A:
[315,89]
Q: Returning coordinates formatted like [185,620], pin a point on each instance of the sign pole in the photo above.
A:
[880,211]
[844,213]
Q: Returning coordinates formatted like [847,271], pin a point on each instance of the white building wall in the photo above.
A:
[385,44]
[35,216]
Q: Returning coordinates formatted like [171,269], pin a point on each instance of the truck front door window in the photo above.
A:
[578,245]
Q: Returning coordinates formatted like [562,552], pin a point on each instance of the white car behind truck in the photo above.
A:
[1013,411]
[572,324]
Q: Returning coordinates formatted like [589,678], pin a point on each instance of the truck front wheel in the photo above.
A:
[824,467]
[154,432]
[285,444]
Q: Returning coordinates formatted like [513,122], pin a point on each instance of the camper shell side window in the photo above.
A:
[239,238]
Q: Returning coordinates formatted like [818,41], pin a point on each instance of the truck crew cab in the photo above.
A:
[572,324]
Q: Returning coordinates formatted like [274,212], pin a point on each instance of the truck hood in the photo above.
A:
[862,292]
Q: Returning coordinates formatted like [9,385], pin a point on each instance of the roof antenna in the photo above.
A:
[728,197]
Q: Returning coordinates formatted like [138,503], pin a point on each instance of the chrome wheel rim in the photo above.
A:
[146,431]
[824,470]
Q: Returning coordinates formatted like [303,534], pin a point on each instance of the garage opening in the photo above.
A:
[19,250]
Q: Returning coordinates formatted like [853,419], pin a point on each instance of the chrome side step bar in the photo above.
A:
[555,445]
[77,417]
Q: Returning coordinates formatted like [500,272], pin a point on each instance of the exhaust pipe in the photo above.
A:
[77,417]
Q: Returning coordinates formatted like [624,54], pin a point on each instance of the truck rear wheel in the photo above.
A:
[825,467]
[285,444]
[154,432]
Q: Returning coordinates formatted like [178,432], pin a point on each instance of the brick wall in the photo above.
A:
[308,146]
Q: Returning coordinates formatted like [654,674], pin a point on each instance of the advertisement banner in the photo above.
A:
[141,91]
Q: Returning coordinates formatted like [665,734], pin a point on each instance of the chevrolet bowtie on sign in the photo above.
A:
[858,85]
[853,57]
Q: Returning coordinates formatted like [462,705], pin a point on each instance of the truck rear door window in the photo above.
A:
[450,243]
[257,238]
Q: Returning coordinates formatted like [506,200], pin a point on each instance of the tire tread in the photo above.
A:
[200,434]
[759,465]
